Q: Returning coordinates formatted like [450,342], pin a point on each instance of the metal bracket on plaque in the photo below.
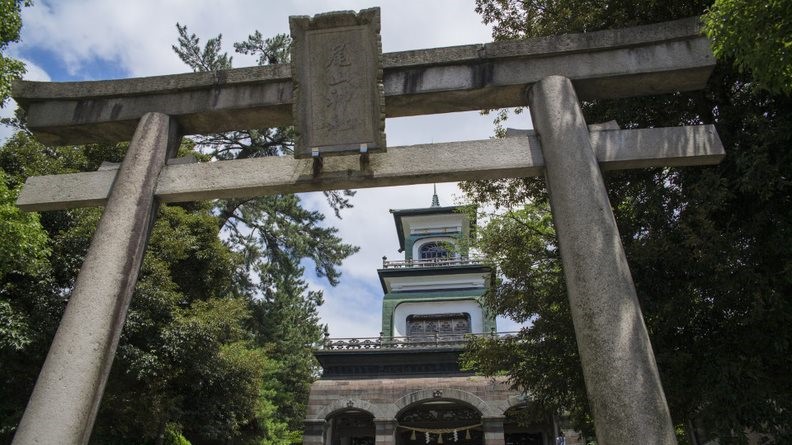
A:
[318,162]
[365,162]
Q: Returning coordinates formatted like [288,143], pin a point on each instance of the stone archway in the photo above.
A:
[522,427]
[438,422]
[346,404]
[453,394]
[441,416]
[342,422]
[350,426]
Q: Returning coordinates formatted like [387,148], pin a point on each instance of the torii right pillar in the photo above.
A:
[622,381]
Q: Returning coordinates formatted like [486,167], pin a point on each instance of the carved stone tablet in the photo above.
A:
[339,99]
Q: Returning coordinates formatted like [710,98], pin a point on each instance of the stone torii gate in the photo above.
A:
[550,75]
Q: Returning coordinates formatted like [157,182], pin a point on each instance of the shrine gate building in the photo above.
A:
[406,386]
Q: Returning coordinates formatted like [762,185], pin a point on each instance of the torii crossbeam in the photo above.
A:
[547,74]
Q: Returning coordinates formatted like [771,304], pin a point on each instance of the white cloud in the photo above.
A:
[34,72]
[138,35]
[6,112]
[351,309]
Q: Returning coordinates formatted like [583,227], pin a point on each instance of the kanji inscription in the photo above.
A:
[337,81]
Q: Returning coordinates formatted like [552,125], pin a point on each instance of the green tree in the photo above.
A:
[23,243]
[286,320]
[10,26]
[273,233]
[271,229]
[23,253]
[522,244]
[200,352]
[707,246]
[757,36]
[185,355]
[33,297]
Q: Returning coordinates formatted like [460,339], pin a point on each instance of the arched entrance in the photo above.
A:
[439,421]
[522,426]
[350,427]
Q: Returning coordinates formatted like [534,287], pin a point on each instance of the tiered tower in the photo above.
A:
[435,290]
[406,387]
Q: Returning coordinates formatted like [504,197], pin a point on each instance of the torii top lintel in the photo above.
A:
[645,60]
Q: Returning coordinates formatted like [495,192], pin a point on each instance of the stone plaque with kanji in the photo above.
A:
[339,100]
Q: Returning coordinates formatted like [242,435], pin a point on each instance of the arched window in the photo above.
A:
[432,250]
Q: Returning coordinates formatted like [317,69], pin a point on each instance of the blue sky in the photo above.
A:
[77,40]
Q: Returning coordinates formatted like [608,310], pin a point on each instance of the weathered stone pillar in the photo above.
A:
[63,406]
[385,431]
[313,432]
[619,367]
[493,430]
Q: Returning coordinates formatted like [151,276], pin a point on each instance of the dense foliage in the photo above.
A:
[734,27]
[708,247]
[217,343]
[10,25]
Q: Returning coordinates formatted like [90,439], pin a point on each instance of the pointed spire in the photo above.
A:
[435,199]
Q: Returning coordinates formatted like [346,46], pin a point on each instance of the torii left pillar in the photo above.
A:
[66,398]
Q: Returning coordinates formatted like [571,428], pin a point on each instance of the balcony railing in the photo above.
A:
[426,341]
[432,262]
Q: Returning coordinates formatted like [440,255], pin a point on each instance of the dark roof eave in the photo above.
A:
[439,270]
[426,210]
[387,351]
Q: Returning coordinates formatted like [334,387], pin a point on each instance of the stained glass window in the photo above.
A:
[432,250]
